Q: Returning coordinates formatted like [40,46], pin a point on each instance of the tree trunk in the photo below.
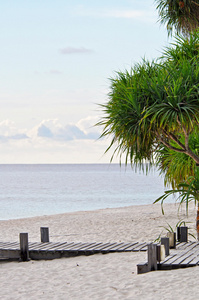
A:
[197,222]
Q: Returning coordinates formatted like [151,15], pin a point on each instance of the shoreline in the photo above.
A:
[109,276]
[110,224]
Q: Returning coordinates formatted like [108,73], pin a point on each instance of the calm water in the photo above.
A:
[36,190]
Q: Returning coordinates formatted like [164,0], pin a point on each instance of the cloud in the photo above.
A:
[73,50]
[53,129]
[9,131]
[52,142]
[44,131]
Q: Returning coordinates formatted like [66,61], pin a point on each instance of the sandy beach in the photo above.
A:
[100,277]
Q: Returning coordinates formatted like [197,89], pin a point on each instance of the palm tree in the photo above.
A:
[155,105]
[182,15]
[153,112]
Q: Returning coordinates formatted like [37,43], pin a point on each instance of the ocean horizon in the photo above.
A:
[28,190]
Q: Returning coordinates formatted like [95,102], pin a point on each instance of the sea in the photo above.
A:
[28,190]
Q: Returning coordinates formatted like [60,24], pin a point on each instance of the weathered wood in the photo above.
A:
[137,247]
[10,254]
[152,257]
[172,239]
[178,234]
[142,268]
[44,234]
[183,234]
[165,242]
[160,253]
[24,251]
[127,246]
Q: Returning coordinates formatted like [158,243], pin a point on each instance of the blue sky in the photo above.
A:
[56,61]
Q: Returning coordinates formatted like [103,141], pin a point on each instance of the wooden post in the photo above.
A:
[172,239]
[183,234]
[44,234]
[24,251]
[152,257]
[160,253]
[165,242]
[178,234]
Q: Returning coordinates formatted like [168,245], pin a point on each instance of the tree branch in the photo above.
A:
[168,145]
[175,139]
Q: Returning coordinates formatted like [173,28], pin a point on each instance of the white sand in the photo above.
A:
[111,276]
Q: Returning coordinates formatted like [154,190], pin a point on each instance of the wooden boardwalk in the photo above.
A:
[51,250]
[185,255]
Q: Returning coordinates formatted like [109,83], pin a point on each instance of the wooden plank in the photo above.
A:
[168,258]
[85,245]
[38,246]
[102,247]
[9,245]
[190,260]
[117,247]
[134,247]
[195,260]
[64,246]
[181,246]
[57,246]
[165,242]
[24,250]
[127,246]
[183,234]
[143,249]
[44,234]
[142,268]
[181,259]
[152,257]
[10,254]
[74,246]
[47,246]
[89,246]
[33,245]
[189,246]
[138,247]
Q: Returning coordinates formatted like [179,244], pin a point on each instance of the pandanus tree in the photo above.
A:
[180,15]
[156,105]
[153,111]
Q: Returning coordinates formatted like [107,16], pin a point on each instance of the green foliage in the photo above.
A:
[181,15]
[169,228]
[186,191]
[176,166]
[153,110]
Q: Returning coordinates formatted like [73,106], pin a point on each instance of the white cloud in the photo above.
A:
[53,129]
[8,131]
[52,142]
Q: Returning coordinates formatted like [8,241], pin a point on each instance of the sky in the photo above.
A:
[57,58]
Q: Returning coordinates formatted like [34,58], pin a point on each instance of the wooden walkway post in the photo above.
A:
[183,234]
[44,234]
[178,234]
[172,239]
[160,253]
[152,257]
[24,251]
[165,242]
